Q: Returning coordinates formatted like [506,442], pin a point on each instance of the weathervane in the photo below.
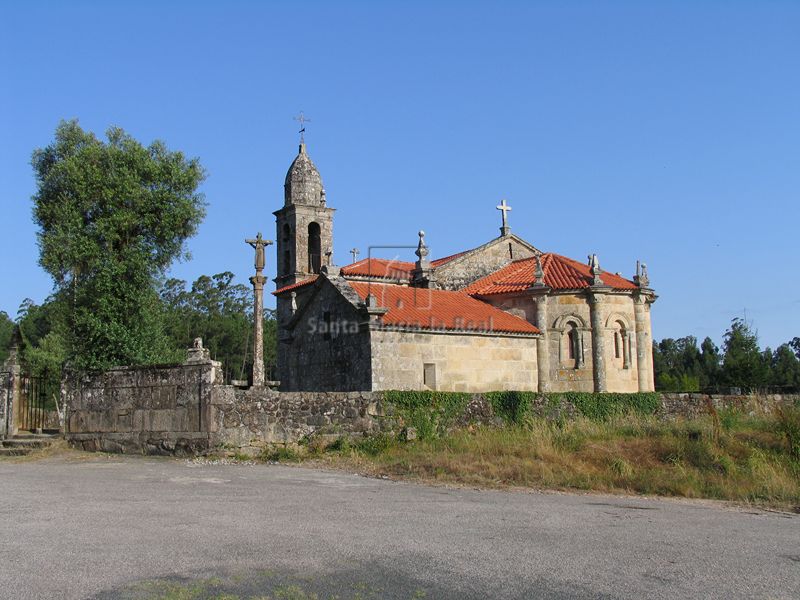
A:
[302,119]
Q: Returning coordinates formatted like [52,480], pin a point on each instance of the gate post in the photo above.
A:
[5,401]
[10,390]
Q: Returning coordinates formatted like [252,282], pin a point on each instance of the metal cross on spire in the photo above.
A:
[504,208]
[302,119]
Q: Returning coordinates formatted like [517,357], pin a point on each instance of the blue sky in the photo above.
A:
[661,131]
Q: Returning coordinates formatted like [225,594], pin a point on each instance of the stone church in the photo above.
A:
[502,316]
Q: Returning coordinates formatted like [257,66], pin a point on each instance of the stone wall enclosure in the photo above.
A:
[184,409]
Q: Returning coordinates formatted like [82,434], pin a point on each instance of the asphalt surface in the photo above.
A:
[130,527]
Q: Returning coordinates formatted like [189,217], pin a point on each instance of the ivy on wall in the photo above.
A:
[512,407]
[601,406]
[430,413]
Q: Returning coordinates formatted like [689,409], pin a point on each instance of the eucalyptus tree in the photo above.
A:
[112,216]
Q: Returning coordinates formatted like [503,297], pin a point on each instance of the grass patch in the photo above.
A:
[281,454]
[725,457]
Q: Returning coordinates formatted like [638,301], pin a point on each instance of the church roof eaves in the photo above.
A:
[412,308]
[380,268]
[294,286]
[560,274]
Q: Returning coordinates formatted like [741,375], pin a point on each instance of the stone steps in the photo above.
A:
[25,442]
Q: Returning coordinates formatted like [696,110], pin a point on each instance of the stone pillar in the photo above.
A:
[628,341]
[542,344]
[258,280]
[258,329]
[644,348]
[598,342]
[11,389]
[6,390]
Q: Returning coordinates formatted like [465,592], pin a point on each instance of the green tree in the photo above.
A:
[677,364]
[785,368]
[710,365]
[112,217]
[6,333]
[36,321]
[42,347]
[220,311]
[795,345]
[743,363]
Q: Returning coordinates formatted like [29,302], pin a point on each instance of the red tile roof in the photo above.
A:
[388,268]
[295,286]
[379,267]
[560,273]
[440,309]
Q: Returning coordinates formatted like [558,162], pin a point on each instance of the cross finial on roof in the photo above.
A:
[641,279]
[355,252]
[422,248]
[538,273]
[504,208]
[594,269]
[302,119]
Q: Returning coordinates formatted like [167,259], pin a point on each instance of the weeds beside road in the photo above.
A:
[725,456]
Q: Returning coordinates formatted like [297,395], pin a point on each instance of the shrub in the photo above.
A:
[621,467]
[280,454]
[512,407]
[376,444]
[602,406]
[341,444]
[431,413]
[729,418]
[788,421]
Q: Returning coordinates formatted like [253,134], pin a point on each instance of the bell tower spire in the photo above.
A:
[305,222]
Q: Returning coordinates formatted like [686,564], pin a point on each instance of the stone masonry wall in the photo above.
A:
[152,410]
[326,350]
[692,405]
[459,273]
[460,362]
[251,419]
[184,409]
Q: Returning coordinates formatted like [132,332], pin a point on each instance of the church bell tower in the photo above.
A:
[304,225]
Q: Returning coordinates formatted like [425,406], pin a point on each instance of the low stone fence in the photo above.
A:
[151,410]
[692,405]
[258,417]
[184,409]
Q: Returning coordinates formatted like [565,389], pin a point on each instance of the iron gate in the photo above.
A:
[39,403]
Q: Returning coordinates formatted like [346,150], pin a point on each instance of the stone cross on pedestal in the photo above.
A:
[504,208]
[258,280]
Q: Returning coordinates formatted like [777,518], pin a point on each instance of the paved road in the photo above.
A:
[126,527]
